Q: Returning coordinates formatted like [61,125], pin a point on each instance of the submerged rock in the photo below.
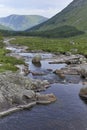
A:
[45,98]
[60,73]
[38,73]
[38,64]
[69,70]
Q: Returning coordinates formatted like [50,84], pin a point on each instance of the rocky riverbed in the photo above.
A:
[18,92]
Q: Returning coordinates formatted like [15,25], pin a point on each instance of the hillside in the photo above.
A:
[75,14]
[22,22]
[2,27]
[58,32]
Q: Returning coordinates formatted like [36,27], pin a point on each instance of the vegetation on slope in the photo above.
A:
[2,27]
[59,32]
[75,14]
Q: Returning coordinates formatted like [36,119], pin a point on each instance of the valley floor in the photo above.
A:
[74,45]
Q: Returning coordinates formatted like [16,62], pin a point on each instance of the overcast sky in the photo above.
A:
[46,8]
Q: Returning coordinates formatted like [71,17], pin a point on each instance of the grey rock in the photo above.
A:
[83,92]
[68,53]
[15,90]
[69,59]
[28,93]
[83,70]
[36,59]
[45,98]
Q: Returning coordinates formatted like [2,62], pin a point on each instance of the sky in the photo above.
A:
[46,8]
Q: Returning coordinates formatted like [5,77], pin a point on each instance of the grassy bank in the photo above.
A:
[76,44]
[7,62]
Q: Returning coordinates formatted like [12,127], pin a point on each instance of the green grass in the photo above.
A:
[9,67]
[7,62]
[61,45]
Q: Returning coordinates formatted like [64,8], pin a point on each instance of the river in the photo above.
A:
[69,112]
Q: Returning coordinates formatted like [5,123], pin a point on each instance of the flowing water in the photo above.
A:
[69,112]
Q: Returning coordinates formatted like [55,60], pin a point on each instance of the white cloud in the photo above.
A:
[2,6]
[47,12]
[46,8]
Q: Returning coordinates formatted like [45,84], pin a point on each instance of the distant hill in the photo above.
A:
[75,14]
[22,22]
[2,27]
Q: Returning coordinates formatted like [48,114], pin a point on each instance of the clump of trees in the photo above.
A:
[1,41]
[59,32]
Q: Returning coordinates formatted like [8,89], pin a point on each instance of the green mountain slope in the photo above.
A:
[22,22]
[75,14]
[59,32]
[2,27]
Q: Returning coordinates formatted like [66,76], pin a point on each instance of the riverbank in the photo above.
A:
[7,62]
[73,45]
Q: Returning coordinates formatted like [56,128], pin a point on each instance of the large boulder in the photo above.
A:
[36,58]
[83,92]
[83,70]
